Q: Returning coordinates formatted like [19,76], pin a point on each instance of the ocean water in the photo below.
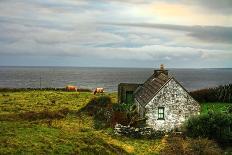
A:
[109,78]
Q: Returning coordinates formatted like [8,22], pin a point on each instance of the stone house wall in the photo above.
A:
[178,106]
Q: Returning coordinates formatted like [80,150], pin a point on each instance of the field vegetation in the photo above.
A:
[59,122]
[52,122]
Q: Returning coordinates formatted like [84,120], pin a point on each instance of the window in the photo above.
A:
[129,97]
[161,113]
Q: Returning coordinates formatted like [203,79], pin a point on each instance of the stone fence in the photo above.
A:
[145,132]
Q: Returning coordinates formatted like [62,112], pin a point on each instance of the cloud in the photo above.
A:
[217,34]
[109,30]
[219,6]
[140,53]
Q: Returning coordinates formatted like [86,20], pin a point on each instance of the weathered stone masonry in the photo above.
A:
[178,106]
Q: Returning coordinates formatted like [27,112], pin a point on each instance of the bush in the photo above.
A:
[119,117]
[229,109]
[104,101]
[218,94]
[211,125]
[101,101]
[101,109]
[107,114]
[120,107]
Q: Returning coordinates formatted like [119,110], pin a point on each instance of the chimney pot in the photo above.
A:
[162,67]
[161,70]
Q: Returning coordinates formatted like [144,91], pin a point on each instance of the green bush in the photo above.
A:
[212,125]
[107,114]
[229,109]
[121,107]
[102,101]
[101,110]
[125,114]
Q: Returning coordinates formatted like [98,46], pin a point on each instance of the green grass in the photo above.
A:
[72,134]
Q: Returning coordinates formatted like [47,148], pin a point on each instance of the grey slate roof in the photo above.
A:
[148,90]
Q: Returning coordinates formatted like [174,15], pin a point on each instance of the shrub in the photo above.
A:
[211,125]
[107,114]
[101,109]
[218,94]
[119,117]
[101,101]
[104,101]
[120,107]
[229,109]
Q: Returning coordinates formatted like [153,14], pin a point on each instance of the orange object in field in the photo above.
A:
[71,88]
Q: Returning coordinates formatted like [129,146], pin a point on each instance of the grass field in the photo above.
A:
[54,131]
[70,134]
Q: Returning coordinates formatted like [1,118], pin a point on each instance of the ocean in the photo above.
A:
[109,78]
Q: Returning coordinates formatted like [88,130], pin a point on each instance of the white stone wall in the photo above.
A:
[178,106]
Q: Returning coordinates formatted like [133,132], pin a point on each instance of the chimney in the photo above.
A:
[161,70]
[162,67]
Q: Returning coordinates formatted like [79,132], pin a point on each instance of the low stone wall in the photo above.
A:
[145,132]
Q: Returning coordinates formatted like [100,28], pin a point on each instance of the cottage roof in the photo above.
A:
[149,89]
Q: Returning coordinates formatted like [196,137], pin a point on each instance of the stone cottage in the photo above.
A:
[163,101]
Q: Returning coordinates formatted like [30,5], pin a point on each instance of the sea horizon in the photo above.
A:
[106,77]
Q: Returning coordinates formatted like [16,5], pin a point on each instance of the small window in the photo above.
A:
[129,97]
[160,112]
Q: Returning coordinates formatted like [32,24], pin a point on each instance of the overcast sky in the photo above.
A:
[116,33]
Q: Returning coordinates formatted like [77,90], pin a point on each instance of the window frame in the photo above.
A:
[160,113]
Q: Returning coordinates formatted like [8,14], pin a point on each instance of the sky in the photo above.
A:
[116,33]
